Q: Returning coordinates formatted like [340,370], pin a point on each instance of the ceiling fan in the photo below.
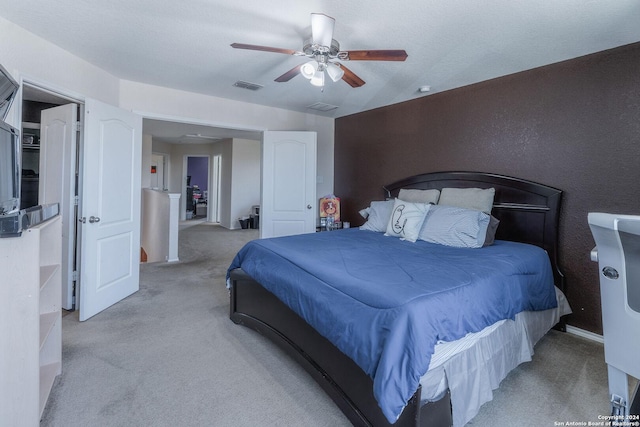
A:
[325,52]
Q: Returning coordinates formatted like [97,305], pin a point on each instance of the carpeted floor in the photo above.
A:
[169,356]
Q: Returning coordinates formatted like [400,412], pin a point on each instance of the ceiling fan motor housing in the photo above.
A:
[311,49]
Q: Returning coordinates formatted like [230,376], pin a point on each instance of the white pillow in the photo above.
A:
[419,196]
[468,198]
[379,214]
[406,219]
[452,226]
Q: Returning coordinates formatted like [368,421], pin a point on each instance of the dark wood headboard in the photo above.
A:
[528,212]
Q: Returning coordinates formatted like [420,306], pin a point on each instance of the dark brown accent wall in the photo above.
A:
[573,125]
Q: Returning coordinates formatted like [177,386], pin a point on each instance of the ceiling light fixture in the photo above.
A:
[309,69]
[315,69]
[318,76]
[335,72]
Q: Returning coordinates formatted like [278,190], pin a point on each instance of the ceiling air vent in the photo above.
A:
[247,85]
[321,106]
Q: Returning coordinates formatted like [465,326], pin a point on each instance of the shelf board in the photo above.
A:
[30,125]
[47,321]
[48,374]
[46,273]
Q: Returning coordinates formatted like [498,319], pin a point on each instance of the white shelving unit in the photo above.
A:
[31,321]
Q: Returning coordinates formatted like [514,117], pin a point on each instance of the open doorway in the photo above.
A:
[105,198]
[197,181]
[233,185]
[50,169]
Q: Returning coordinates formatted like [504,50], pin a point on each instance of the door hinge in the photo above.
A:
[78,126]
[74,276]
[76,200]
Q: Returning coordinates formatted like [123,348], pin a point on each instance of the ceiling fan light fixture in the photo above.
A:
[323,49]
[335,72]
[309,69]
[318,78]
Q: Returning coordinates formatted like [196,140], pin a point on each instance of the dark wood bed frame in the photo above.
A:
[528,213]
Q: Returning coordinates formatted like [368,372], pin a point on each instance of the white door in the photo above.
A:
[58,136]
[289,202]
[110,207]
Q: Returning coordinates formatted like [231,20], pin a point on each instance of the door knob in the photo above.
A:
[93,219]
[309,206]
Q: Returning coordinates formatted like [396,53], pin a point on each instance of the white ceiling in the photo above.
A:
[450,43]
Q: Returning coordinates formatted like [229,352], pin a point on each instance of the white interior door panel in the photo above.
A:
[289,202]
[110,268]
[58,142]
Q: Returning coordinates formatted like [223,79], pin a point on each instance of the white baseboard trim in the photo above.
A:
[585,334]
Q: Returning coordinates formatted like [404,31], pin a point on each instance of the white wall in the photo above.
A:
[154,230]
[175,105]
[147,148]
[245,178]
[27,56]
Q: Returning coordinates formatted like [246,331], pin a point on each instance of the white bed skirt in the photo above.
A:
[472,367]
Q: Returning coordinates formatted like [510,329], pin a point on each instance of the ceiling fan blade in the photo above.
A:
[322,29]
[373,55]
[289,74]
[264,48]
[350,77]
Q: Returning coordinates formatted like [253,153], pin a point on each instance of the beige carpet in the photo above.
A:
[169,356]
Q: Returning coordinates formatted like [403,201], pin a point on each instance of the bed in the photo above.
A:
[360,373]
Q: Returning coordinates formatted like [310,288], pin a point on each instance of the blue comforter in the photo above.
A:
[385,302]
